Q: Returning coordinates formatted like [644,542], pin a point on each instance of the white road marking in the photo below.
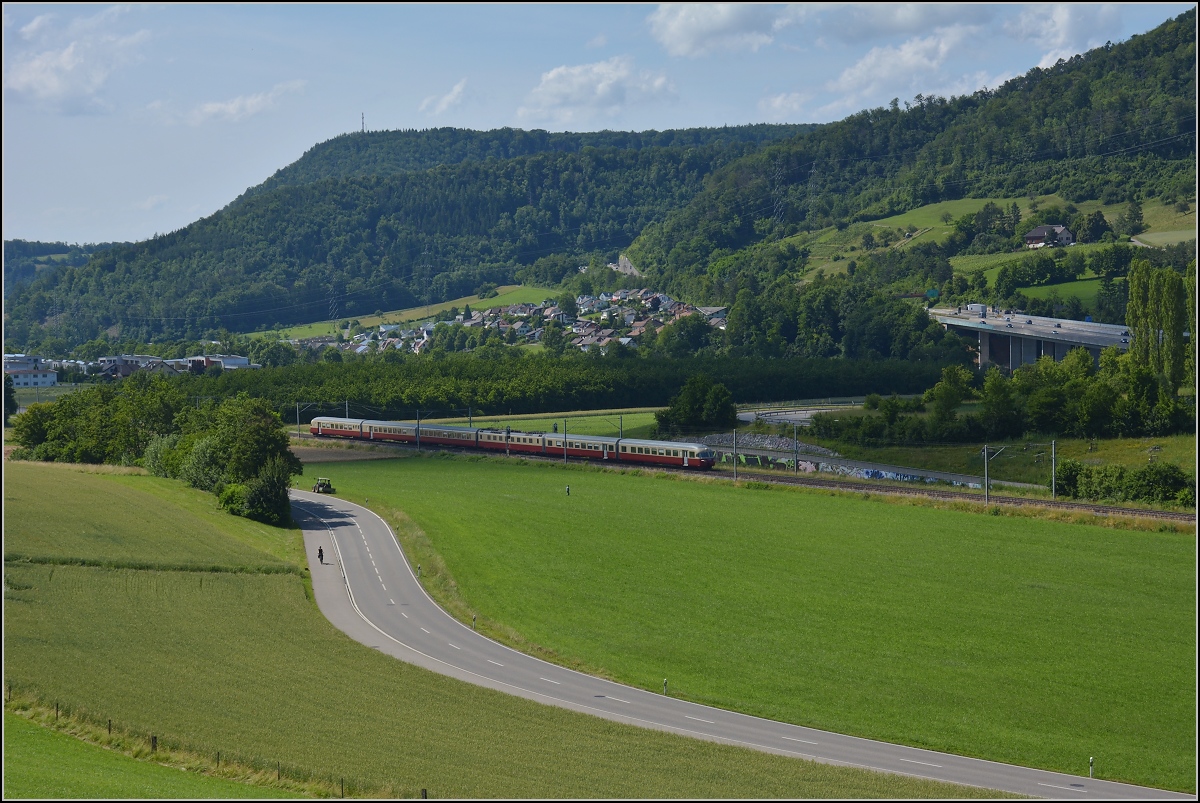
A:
[790,739]
[926,763]
[455,646]
[548,680]
[698,719]
[381,583]
[497,663]
[619,700]
[391,602]
[1068,788]
[405,615]
[425,630]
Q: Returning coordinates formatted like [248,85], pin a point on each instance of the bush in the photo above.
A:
[267,494]
[233,498]
[1157,482]
[1103,483]
[160,458]
[203,467]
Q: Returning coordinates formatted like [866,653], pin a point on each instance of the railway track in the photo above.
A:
[861,487]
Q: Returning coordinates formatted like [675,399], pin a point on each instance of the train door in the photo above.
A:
[685,457]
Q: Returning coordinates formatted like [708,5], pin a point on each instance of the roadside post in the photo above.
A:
[564,441]
[664,685]
[1091,766]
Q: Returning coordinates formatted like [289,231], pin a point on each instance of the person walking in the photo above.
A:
[568,490]
[321,554]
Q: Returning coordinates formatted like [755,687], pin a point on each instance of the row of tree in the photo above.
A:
[1067,398]
[236,447]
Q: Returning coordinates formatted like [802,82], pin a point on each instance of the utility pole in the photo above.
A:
[1053,470]
[297,420]
[470,420]
[735,450]
[985,474]
[564,441]
[347,408]
[622,423]
[418,429]
[795,449]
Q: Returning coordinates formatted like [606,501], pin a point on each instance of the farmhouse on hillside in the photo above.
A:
[1049,235]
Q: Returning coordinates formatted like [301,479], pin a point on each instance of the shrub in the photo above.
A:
[203,467]
[1103,483]
[233,498]
[1157,482]
[160,458]
[267,494]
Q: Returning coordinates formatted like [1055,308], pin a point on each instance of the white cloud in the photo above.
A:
[67,67]
[891,68]
[700,29]
[576,94]
[242,106]
[859,22]
[152,202]
[35,25]
[1063,30]
[599,40]
[785,105]
[435,105]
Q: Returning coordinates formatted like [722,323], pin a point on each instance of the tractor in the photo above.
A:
[323,486]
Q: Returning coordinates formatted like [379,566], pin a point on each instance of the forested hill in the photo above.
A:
[1115,123]
[380,153]
[377,221]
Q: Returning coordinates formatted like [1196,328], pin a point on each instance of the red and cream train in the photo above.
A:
[549,444]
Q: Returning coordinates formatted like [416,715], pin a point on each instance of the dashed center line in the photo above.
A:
[619,700]
[405,615]
[497,663]
[791,739]
[391,602]
[455,646]
[926,763]
[698,719]
[423,629]
[1068,788]
[548,680]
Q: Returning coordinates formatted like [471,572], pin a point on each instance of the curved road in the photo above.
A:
[366,588]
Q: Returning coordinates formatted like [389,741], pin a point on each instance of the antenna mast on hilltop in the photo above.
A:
[364,122]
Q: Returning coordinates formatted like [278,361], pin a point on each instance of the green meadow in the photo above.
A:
[40,762]
[634,422]
[506,296]
[238,659]
[1019,640]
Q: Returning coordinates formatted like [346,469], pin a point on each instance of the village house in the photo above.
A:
[1049,235]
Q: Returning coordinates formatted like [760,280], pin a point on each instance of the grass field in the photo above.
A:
[1022,463]
[1083,289]
[507,295]
[243,662]
[637,422]
[43,763]
[27,396]
[1019,640]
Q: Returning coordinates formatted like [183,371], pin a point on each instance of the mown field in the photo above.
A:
[1021,640]
[506,296]
[43,763]
[241,661]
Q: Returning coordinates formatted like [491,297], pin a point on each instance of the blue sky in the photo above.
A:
[120,122]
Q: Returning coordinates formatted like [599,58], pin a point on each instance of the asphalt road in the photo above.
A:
[367,589]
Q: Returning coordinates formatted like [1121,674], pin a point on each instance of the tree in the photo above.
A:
[700,404]
[553,339]
[250,434]
[10,399]
[949,393]
[999,412]
[566,304]
[267,493]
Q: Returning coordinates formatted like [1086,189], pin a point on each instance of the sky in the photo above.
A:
[122,122]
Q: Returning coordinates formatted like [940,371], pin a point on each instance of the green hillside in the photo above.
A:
[397,219]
